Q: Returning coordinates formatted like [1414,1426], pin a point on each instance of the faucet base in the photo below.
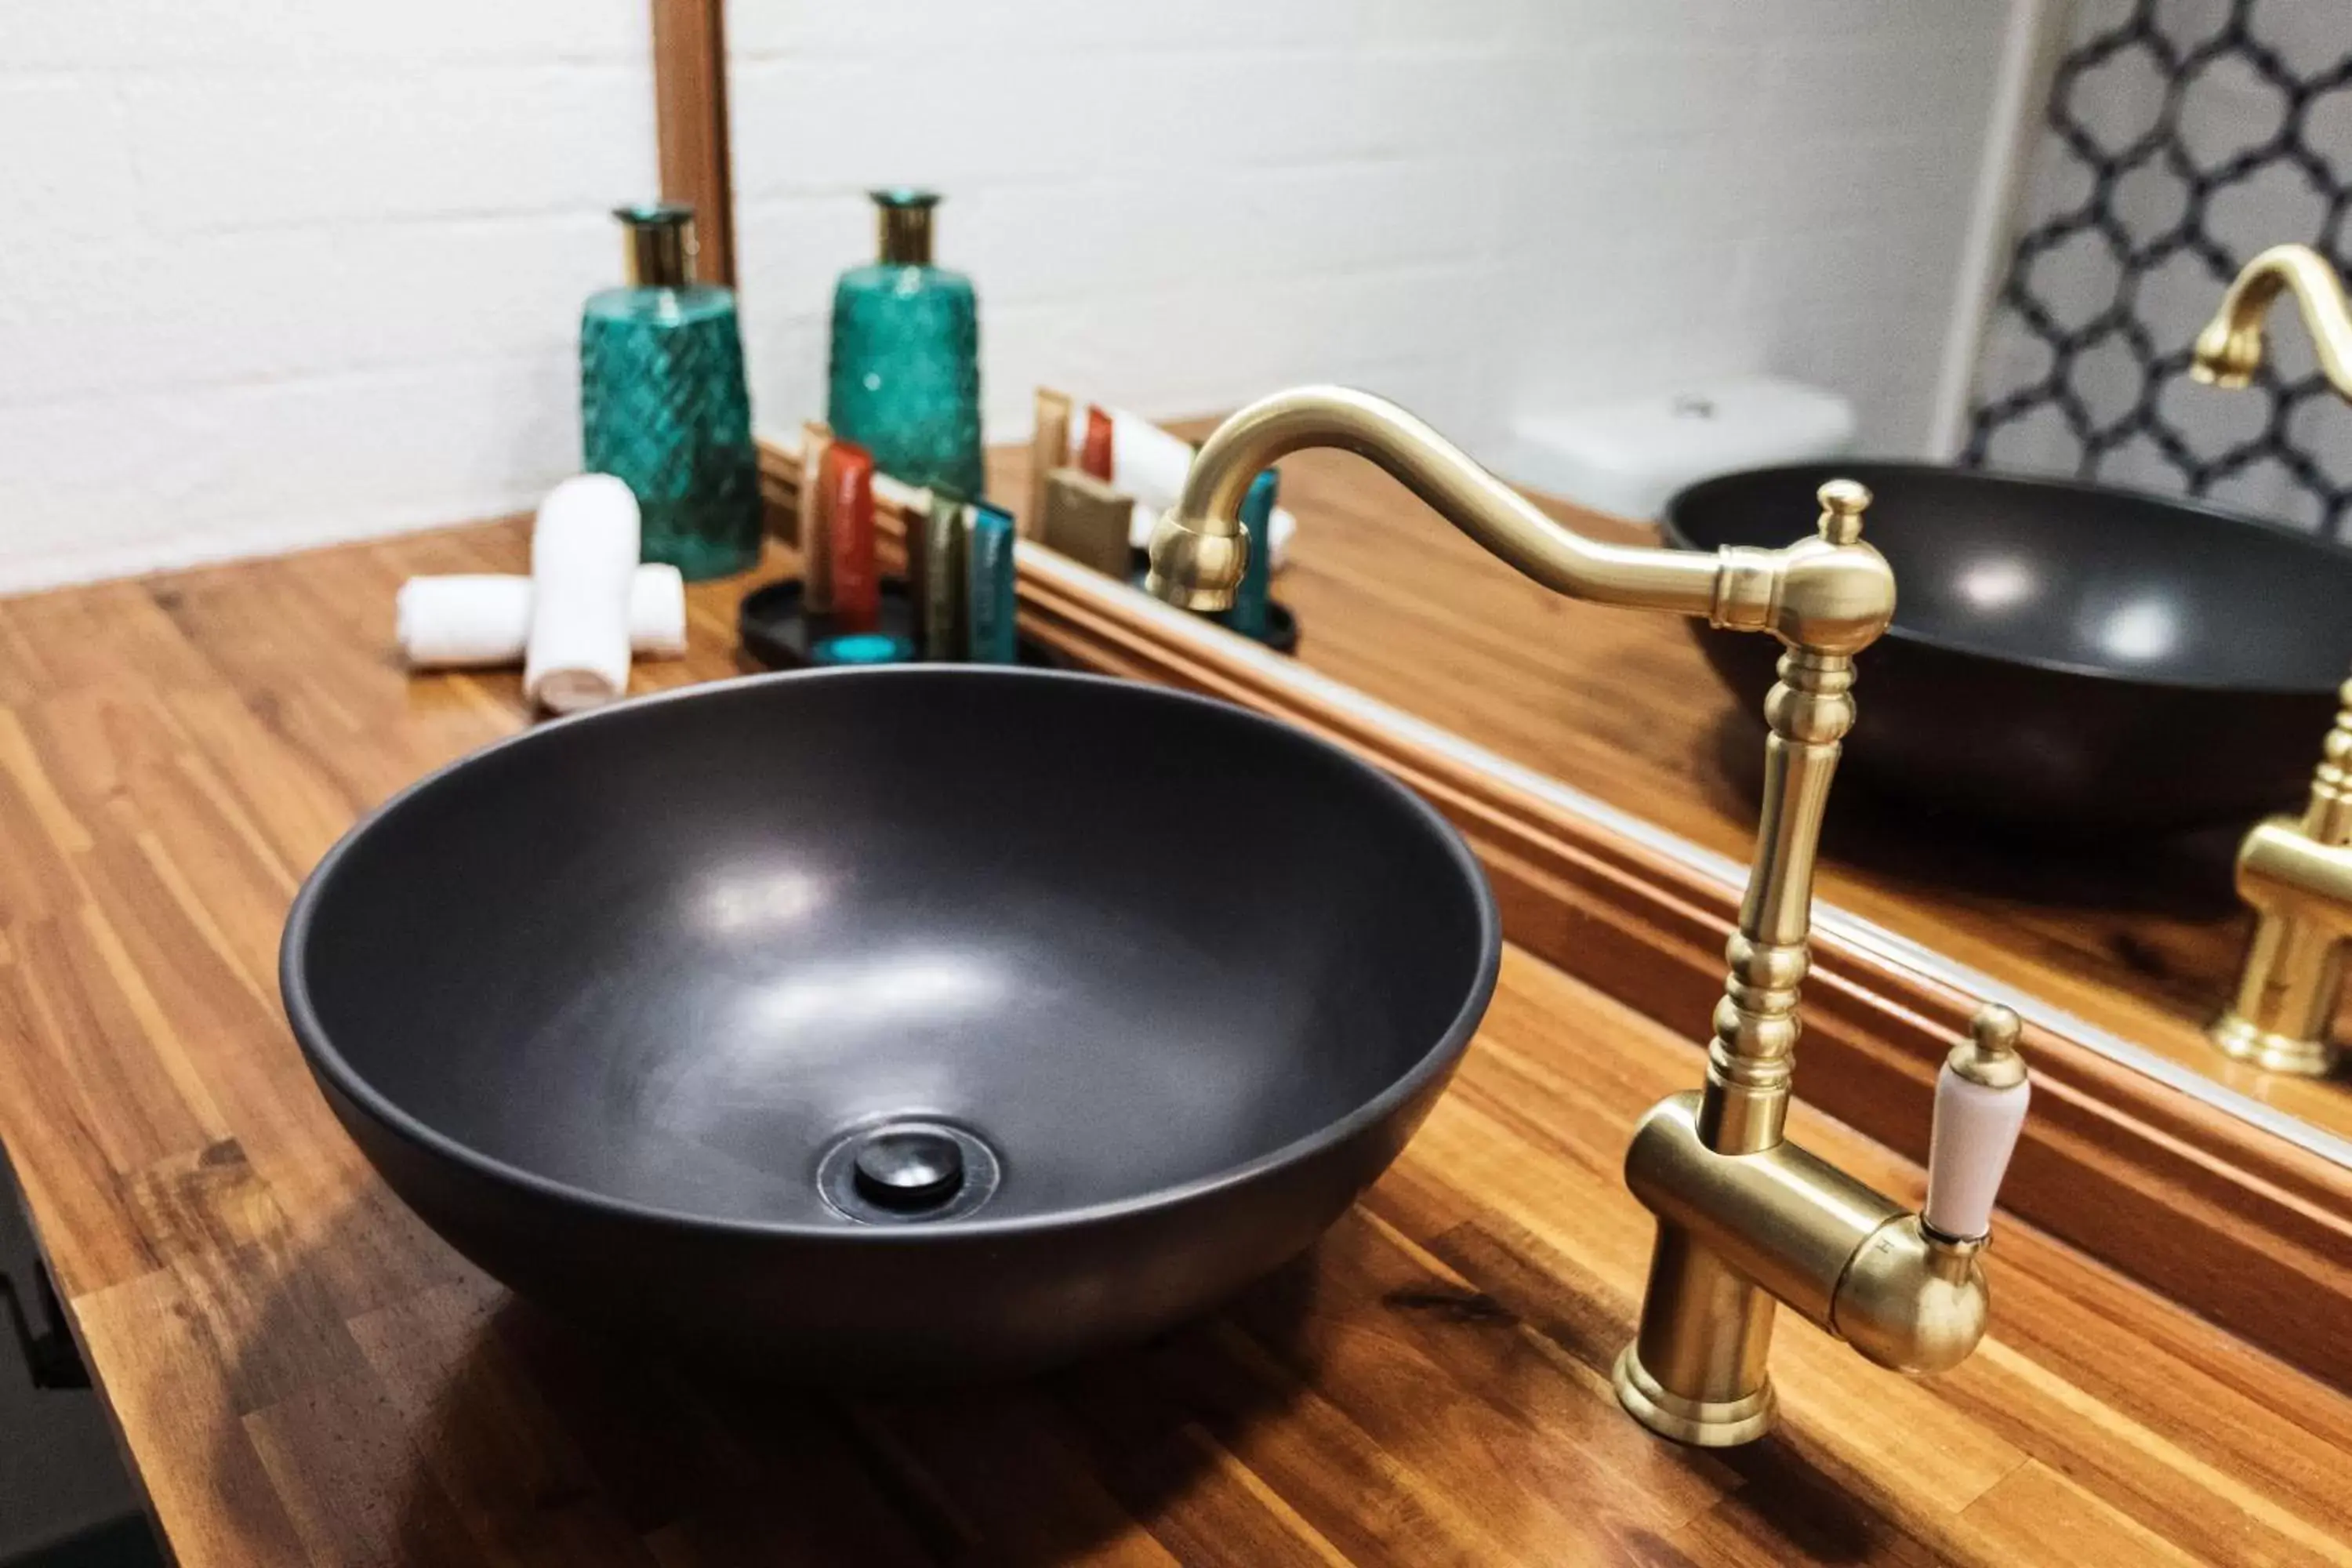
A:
[2239,1039]
[1701,1423]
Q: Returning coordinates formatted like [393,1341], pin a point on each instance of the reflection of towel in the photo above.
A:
[1149,464]
[484,619]
[1147,518]
[584,556]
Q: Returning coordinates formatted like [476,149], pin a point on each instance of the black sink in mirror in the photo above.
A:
[2066,660]
[914,1024]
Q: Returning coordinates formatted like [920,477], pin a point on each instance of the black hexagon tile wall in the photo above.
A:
[2182,137]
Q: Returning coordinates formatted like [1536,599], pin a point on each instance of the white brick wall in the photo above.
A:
[283,271]
[277,273]
[1473,206]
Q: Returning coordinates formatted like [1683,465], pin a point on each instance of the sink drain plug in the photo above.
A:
[908,1171]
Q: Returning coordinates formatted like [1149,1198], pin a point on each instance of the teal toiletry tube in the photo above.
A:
[992,605]
[1248,616]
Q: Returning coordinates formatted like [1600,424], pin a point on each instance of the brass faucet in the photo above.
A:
[2295,872]
[1744,1217]
[2230,350]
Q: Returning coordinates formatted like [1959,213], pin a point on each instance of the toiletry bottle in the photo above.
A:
[663,404]
[814,502]
[906,356]
[1251,598]
[939,577]
[848,478]
[993,604]
[1088,522]
[1098,448]
[1049,446]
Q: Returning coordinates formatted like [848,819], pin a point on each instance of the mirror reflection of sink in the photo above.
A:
[901,1023]
[2069,662]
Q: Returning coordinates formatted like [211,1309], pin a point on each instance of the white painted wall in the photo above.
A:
[1477,206]
[275,272]
[278,272]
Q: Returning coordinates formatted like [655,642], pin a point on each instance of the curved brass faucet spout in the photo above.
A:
[1832,594]
[2230,350]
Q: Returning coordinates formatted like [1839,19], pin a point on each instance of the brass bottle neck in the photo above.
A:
[658,244]
[905,224]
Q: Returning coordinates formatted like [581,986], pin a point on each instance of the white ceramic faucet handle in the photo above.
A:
[1980,1097]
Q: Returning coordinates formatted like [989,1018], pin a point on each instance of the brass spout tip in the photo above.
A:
[2225,355]
[1196,563]
[1185,598]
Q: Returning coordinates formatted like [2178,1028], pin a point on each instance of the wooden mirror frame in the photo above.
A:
[691,125]
[2199,1193]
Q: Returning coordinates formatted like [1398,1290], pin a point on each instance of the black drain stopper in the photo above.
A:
[911,1168]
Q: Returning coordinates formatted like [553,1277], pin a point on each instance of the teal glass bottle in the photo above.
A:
[663,404]
[905,381]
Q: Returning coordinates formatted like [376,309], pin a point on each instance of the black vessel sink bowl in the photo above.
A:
[2065,659]
[900,1025]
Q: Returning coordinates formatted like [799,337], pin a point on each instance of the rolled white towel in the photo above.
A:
[1149,464]
[483,619]
[584,557]
[1147,518]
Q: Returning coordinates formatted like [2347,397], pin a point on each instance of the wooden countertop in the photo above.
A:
[2144,940]
[303,1374]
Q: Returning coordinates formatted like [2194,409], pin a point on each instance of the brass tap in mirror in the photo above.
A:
[2295,872]
[2229,351]
[1745,1218]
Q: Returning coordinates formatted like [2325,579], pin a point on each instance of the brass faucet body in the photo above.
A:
[2295,873]
[1744,1217]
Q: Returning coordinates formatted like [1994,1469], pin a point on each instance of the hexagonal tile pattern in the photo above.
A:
[2318,422]
[2211,424]
[2184,136]
[2327,132]
[2077,280]
[2118,99]
[2277,201]
[2228,109]
[2191,24]
[2150,200]
[2108,377]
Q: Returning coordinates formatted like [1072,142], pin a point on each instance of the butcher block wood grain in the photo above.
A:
[302,1375]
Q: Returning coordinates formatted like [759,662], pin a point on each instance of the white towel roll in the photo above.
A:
[584,556]
[1147,518]
[483,619]
[1150,465]
[1146,462]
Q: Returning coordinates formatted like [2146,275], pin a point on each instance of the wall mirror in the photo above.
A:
[1611,254]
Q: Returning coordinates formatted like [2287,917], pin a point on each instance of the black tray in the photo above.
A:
[777,632]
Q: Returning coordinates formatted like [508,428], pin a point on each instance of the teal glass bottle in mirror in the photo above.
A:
[663,404]
[906,355]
